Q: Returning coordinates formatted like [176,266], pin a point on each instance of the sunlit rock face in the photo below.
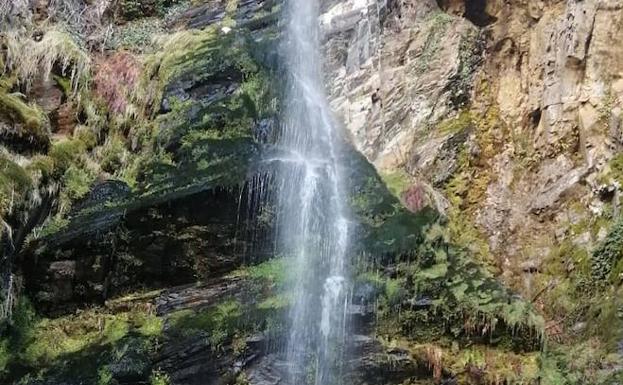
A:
[393,69]
[530,90]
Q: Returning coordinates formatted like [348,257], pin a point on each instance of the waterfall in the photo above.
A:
[312,225]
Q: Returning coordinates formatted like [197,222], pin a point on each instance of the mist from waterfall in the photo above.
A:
[312,225]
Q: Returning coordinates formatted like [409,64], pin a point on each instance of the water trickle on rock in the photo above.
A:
[312,225]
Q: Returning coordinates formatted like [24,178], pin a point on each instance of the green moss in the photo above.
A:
[15,183]
[218,323]
[31,117]
[104,376]
[397,182]
[276,302]
[463,121]
[391,290]
[87,135]
[81,346]
[274,271]
[66,153]
[64,84]
[201,53]
[42,165]
[467,188]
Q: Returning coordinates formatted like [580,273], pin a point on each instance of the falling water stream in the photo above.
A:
[313,225]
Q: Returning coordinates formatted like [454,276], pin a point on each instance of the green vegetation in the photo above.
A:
[463,121]
[397,182]
[462,301]
[204,53]
[467,188]
[134,9]
[15,183]
[13,108]
[31,59]
[273,272]
[220,322]
[159,378]
[84,344]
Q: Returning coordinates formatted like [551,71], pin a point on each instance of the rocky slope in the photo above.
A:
[135,190]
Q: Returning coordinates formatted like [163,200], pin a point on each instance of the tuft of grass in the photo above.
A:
[15,183]
[31,59]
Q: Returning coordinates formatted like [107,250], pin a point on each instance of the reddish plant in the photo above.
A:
[414,198]
[115,78]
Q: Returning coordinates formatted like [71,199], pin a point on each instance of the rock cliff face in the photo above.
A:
[484,175]
[509,113]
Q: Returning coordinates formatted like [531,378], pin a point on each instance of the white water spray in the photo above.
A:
[313,225]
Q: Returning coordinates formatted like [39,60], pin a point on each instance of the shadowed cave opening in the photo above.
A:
[473,10]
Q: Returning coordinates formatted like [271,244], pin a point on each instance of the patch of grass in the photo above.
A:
[274,271]
[217,323]
[397,182]
[463,121]
[278,301]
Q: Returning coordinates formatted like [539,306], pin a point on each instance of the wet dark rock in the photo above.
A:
[197,296]
[215,11]
[269,370]
[106,191]
[175,242]
[420,302]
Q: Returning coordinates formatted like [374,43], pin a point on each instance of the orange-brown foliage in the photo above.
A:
[115,78]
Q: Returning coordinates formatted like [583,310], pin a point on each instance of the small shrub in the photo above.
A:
[77,182]
[66,153]
[104,376]
[159,378]
[115,79]
[608,254]
[114,155]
